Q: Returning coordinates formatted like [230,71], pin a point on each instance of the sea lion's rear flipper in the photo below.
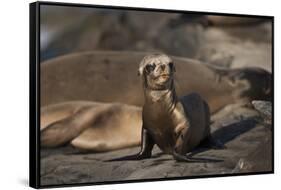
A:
[138,156]
[183,158]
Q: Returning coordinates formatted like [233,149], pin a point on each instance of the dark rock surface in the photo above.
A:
[248,149]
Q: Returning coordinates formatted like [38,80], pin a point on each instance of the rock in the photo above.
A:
[232,20]
[260,159]
[106,29]
[265,109]
[238,45]
[227,41]
[217,58]
[248,142]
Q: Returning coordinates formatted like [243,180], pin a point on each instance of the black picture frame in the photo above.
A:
[34,98]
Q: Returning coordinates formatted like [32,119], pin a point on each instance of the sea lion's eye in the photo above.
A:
[171,65]
[150,68]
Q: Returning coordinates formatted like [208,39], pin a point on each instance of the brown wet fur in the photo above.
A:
[175,125]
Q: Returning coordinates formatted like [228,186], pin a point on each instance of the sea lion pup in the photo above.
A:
[176,125]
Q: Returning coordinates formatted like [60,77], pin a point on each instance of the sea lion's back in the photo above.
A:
[197,114]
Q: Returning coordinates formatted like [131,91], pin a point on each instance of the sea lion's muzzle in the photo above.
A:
[164,77]
[163,71]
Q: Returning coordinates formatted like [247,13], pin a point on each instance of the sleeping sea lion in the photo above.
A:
[90,126]
[110,77]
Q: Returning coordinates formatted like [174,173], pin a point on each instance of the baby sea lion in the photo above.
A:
[176,125]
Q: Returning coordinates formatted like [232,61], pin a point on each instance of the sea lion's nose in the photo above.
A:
[162,67]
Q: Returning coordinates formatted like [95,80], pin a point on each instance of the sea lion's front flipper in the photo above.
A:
[147,144]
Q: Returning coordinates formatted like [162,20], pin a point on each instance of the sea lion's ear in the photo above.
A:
[141,66]
[140,71]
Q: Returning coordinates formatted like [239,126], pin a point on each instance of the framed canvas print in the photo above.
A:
[120,94]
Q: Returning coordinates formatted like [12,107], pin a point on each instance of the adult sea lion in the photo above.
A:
[90,126]
[176,125]
[109,77]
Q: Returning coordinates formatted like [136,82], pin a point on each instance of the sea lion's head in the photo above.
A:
[258,83]
[157,71]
